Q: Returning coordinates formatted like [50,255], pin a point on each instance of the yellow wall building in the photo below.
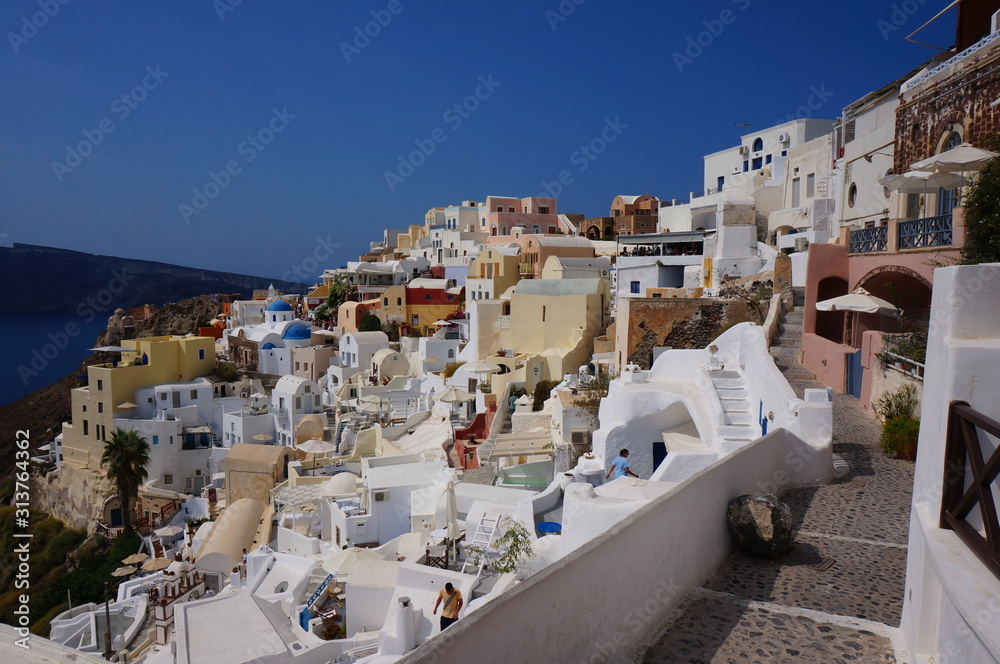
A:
[493,271]
[150,362]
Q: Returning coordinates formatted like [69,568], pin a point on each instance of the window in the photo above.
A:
[768,159]
[635,287]
[810,185]
[385,302]
[171,440]
[510,209]
[852,195]
[399,301]
[307,389]
[720,183]
[850,130]
[100,407]
[451,353]
[543,314]
[100,385]
[414,319]
[298,403]
[795,192]
[281,402]
[85,408]
[784,153]
[499,208]
[156,440]
[168,479]
[758,163]
[543,210]
[163,396]
[194,395]
[746,166]
[201,353]
[758,144]
[86,428]
[427,297]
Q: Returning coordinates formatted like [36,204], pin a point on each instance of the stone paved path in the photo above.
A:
[758,610]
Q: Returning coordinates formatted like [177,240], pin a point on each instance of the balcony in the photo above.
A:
[526,268]
[869,240]
[504,322]
[943,231]
[280,412]
[924,233]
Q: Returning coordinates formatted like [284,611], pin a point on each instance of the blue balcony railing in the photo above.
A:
[922,233]
[869,240]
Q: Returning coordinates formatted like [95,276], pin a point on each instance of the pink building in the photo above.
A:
[532,215]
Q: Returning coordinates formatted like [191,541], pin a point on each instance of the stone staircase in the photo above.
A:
[737,412]
[785,347]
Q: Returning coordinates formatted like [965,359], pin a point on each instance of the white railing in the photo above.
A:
[950,62]
[907,366]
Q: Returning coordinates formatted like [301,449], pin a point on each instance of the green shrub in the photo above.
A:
[225,371]
[899,436]
[370,323]
[543,390]
[900,403]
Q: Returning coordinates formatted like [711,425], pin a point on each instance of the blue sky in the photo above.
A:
[326,130]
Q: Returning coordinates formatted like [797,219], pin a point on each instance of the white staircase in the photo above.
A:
[483,538]
[737,412]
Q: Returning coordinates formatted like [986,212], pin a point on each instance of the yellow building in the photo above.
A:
[149,362]
[493,271]
[552,323]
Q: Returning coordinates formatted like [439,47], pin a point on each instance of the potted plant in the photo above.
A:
[899,437]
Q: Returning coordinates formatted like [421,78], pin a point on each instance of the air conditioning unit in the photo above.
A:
[744,149]
[381,496]
[801,243]
[784,138]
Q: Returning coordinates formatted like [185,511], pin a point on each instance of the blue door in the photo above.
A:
[854,374]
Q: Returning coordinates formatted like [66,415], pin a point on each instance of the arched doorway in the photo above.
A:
[830,324]
[904,288]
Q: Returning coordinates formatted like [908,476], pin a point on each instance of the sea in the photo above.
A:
[41,348]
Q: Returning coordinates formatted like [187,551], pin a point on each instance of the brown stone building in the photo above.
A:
[630,215]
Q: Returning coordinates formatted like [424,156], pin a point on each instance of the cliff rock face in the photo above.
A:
[49,279]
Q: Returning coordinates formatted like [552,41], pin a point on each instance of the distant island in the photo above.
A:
[50,279]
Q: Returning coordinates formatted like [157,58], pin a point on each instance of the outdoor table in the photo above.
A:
[550,527]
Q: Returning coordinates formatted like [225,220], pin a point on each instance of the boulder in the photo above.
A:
[761,524]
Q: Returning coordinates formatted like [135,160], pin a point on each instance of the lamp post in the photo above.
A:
[107,624]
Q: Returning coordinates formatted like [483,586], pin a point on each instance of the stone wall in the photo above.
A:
[961,102]
[677,323]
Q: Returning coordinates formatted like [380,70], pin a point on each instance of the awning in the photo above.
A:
[663,238]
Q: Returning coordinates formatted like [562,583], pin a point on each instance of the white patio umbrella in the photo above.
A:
[454,395]
[168,531]
[919,182]
[451,507]
[961,159]
[314,446]
[480,366]
[860,301]
[442,323]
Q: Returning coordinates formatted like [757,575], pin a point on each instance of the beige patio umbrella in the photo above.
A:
[156,564]
[265,437]
[124,571]
[135,559]
[314,446]
[169,531]
[860,301]
[343,561]
[451,508]
[480,366]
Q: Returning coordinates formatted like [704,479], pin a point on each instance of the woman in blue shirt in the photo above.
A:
[620,466]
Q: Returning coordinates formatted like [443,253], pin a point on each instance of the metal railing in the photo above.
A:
[928,232]
[505,322]
[966,464]
[950,62]
[869,240]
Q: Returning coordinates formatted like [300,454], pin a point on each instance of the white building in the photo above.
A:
[292,399]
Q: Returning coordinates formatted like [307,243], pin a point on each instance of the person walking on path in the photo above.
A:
[620,466]
[452,605]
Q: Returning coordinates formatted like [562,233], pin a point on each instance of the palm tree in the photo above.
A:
[126,456]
